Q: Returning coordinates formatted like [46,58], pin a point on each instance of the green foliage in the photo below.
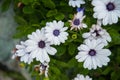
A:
[63,66]
[5,5]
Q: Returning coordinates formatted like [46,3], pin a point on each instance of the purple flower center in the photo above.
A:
[56,32]
[92,52]
[97,32]
[41,44]
[110,6]
[76,22]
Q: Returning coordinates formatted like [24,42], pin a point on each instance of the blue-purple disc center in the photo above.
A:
[76,22]
[110,6]
[92,52]
[41,44]
[56,32]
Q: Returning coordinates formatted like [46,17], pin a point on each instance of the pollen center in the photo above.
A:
[76,22]
[110,6]
[41,44]
[92,52]
[56,32]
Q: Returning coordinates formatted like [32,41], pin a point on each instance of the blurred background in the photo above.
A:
[9,69]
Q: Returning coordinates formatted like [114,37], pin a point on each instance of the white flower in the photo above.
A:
[55,32]
[77,21]
[92,54]
[39,47]
[107,10]
[43,68]
[81,77]
[96,32]
[22,54]
[76,3]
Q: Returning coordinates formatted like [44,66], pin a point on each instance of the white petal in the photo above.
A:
[51,50]
[83,47]
[31,48]
[20,52]
[104,52]
[86,35]
[84,25]
[45,56]
[88,63]
[30,42]
[99,47]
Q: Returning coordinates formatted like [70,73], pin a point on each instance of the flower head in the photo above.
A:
[92,54]
[96,32]
[77,22]
[55,32]
[43,68]
[107,10]
[81,77]
[39,47]
[76,3]
[22,53]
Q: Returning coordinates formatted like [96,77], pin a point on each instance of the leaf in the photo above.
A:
[60,50]
[72,48]
[48,3]
[55,70]
[28,10]
[59,16]
[115,36]
[106,71]
[20,20]
[72,62]
[27,1]
[51,13]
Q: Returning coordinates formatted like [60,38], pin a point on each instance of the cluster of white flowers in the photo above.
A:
[38,45]
[91,52]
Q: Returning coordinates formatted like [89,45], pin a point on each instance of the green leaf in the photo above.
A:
[20,20]
[55,70]
[72,48]
[115,36]
[5,5]
[72,62]
[106,71]
[59,16]
[60,50]
[28,10]
[51,13]
[27,1]
[48,3]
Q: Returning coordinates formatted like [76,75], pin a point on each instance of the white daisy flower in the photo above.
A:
[77,22]
[107,10]
[55,32]
[82,77]
[96,32]
[43,68]
[92,54]
[39,47]
[22,54]
[76,3]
